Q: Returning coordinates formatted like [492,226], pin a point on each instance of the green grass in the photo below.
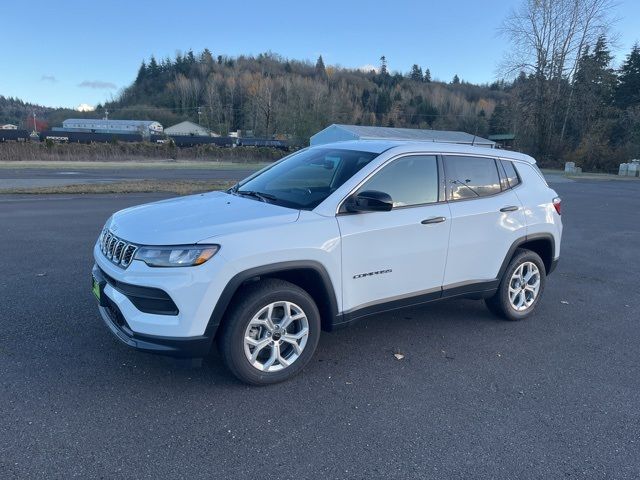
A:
[152,164]
[180,187]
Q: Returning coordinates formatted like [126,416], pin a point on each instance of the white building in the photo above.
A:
[8,126]
[188,129]
[96,125]
[341,133]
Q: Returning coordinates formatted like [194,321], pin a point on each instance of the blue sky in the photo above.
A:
[72,52]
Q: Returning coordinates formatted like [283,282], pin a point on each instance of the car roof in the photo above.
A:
[407,146]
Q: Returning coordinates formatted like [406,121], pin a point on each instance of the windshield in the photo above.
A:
[305,179]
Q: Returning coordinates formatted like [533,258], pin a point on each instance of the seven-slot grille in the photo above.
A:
[117,250]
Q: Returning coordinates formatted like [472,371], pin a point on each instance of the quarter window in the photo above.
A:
[512,175]
[411,180]
[471,177]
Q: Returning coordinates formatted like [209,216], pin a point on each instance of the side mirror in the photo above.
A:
[370,201]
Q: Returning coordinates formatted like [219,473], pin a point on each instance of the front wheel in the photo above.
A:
[520,288]
[271,333]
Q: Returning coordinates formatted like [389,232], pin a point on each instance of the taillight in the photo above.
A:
[557,204]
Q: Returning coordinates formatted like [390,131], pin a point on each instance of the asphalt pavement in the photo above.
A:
[555,396]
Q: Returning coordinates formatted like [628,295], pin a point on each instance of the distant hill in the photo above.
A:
[591,117]
[271,95]
[17,112]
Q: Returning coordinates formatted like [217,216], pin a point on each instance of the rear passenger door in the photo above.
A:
[486,218]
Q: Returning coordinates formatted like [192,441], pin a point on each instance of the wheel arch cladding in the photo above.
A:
[308,275]
[542,244]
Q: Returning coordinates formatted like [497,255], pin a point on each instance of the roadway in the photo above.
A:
[555,396]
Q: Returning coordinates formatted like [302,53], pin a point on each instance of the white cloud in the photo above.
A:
[85,107]
[48,78]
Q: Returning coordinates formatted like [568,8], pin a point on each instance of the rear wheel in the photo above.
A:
[271,333]
[520,288]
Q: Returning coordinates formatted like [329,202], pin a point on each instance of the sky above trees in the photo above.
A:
[87,51]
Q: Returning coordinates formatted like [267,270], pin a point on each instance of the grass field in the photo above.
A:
[179,187]
[91,165]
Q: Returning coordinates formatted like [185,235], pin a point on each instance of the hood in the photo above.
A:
[188,220]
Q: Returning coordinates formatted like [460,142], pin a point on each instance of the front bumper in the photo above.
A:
[184,347]
[166,302]
[190,347]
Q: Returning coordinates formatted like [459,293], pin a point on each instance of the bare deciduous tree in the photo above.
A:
[547,38]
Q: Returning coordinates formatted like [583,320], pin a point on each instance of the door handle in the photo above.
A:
[511,208]
[429,221]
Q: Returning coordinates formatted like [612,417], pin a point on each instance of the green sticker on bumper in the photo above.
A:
[96,289]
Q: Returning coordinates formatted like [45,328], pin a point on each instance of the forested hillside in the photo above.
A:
[590,115]
[568,101]
[20,113]
[271,95]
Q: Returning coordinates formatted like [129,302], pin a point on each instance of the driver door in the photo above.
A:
[397,257]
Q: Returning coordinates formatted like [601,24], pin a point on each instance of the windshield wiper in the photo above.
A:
[265,197]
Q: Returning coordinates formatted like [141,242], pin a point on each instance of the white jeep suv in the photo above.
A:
[326,236]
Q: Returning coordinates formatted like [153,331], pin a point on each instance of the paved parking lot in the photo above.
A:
[556,396]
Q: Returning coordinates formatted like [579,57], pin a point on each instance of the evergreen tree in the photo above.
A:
[427,76]
[416,73]
[383,65]
[628,91]
[166,65]
[383,105]
[320,69]
[142,73]
[592,124]
[179,64]
[500,121]
[364,97]
[456,80]
[425,112]
[153,69]
[594,85]
[206,57]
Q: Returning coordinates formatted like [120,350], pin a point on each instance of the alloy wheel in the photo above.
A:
[524,286]
[276,336]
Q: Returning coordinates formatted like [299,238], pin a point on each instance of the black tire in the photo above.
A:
[247,303]
[500,304]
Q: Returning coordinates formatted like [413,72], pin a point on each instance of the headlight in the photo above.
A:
[176,256]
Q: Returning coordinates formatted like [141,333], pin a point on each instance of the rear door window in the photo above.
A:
[471,177]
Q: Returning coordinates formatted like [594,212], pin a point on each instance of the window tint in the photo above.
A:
[411,180]
[471,177]
[512,175]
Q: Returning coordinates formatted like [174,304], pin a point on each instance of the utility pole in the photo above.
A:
[35,126]
[106,114]
[199,114]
